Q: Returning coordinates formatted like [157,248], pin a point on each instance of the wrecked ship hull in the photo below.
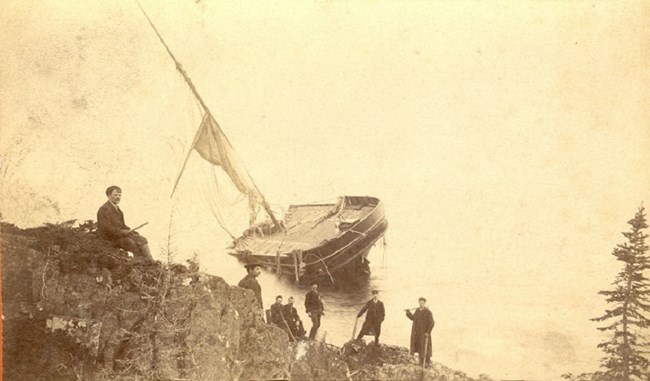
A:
[319,242]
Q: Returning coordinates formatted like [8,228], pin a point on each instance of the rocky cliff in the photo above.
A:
[75,308]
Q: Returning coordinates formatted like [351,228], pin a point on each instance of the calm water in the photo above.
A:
[478,329]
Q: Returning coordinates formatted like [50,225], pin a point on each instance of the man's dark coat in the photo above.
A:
[110,222]
[250,282]
[290,315]
[314,307]
[276,315]
[422,323]
[313,303]
[374,317]
[111,226]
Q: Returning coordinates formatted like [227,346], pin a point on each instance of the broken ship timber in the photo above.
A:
[317,240]
[313,241]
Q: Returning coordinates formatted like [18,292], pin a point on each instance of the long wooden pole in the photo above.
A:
[139,226]
[179,67]
[354,331]
[424,356]
[288,328]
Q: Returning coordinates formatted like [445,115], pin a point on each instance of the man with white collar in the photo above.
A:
[110,222]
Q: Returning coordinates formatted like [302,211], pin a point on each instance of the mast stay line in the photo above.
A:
[179,67]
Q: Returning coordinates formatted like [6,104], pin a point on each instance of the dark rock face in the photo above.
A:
[359,355]
[156,321]
[76,308]
[318,361]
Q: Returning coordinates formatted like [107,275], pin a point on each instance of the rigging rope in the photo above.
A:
[212,194]
[215,210]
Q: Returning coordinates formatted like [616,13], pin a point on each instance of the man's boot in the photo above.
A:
[145,253]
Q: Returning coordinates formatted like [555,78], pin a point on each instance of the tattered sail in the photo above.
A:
[320,240]
[214,147]
[212,144]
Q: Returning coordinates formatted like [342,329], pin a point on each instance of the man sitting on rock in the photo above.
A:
[276,317]
[290,315]
[276,312]
[110,221]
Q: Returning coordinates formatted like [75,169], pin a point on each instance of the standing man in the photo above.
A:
[374,317]
[290,315]
[421,331]
[250,281]
[314,308]
[110,222]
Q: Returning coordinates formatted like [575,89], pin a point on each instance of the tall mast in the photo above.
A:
[180,69]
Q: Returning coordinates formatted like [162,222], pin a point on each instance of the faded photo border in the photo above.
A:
[508,140]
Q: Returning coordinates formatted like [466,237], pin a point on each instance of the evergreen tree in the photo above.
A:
[625,353]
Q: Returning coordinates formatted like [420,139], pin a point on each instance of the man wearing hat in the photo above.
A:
[250,281]
[374,317]
[421,331]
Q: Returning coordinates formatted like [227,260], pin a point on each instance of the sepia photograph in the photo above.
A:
[325,190]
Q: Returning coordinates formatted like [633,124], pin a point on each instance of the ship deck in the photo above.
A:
[306,226]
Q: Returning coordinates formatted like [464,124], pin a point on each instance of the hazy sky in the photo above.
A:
[508,140]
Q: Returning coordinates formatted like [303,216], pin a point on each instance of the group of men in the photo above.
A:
[420,330]
[111,226]
[286,316]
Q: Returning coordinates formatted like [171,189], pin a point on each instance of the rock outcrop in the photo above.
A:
[76,308]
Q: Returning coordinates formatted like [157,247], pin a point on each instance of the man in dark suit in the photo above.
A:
[421,332]
[290,314]
[276,312]
[110,221]
[374,317]
[314,309]
[250,281]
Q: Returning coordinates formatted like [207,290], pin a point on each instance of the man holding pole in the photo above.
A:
[111,226]
[290,315]
[277,317]
[421,332]
[375,313]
